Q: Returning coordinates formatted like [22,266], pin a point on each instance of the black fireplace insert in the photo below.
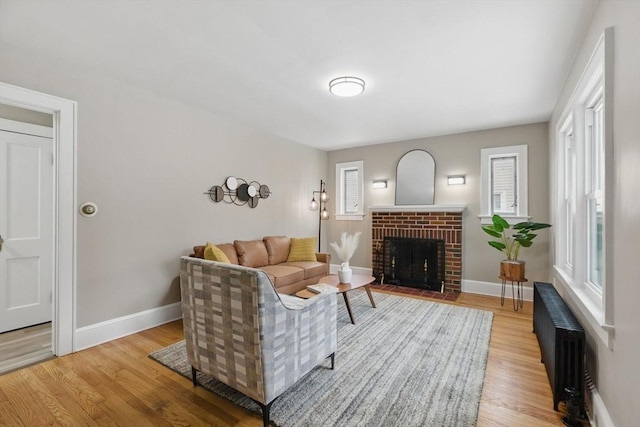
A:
[416,263]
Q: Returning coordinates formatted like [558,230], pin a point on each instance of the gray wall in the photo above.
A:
[146,161]
[618,372]
[454,154]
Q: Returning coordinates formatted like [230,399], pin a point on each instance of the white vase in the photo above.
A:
[344,273]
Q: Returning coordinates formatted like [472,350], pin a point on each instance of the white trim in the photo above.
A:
[494,289]
[98,333]
[512,220]
[358,217]
[584,307]
[340,168]
[595,306]
[64,124]
[521,153]
[601,417]
[26,128]
[419,208]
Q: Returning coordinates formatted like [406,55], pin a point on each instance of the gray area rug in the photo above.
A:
[408,362]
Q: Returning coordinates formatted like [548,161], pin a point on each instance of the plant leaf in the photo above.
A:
[524,236]
[498,245]
[539,226]
[525,243]
[499,222]
[490,230]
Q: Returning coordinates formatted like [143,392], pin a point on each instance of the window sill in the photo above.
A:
[512,220]
[355,217]
[588,310]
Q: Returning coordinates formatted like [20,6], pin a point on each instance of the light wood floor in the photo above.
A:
[118,384]
[25,346]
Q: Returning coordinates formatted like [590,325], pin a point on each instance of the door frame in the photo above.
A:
[64,113]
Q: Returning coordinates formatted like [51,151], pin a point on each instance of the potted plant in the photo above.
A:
[510,241]
[346,249]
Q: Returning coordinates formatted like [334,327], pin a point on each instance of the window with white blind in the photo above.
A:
[349,190]
[504,183]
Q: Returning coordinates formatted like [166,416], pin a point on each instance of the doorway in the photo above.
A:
[63,113]
[26,245]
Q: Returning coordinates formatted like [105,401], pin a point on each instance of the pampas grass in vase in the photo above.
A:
[348,246]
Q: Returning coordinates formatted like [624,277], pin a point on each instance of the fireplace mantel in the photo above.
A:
[419,208]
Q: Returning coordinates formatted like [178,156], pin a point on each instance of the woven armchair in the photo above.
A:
[238,330]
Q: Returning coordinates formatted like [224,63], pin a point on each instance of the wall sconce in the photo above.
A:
[380,183]
[314,205]
[456,179]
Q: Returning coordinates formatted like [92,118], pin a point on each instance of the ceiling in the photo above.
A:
[431,67]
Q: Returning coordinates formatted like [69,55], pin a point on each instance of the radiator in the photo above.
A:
[561,339]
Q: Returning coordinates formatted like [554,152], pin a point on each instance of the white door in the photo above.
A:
[26,226]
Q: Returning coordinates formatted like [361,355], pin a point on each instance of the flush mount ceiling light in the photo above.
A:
[346,86]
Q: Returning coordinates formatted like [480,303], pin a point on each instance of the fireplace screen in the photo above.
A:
[417,263]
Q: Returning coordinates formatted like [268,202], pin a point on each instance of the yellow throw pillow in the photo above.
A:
[303,249]
[214,253]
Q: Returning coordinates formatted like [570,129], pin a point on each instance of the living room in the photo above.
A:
[147,161]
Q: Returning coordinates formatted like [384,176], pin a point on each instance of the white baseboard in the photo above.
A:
[601,417]
[89,336]
[493,289]
[333,269]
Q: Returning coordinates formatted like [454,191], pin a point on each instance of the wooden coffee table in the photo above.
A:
[357,281]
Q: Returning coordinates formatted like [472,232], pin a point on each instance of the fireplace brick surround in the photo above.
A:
[422,225]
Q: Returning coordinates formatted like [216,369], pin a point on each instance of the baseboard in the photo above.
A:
[601,417]
[89,336]
[333,269]
[493,289]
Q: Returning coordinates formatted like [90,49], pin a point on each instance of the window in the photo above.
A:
[594,193]
[583,214]
[349,203]
[568,192]
[504,183]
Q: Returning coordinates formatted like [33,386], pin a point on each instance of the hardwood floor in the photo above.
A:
[118,384]
[25,346]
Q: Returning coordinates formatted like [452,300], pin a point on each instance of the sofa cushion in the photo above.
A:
[198,251]
[230,251]
[303,249]
[311,268]
[251,253]
[283,275]
[277,248]
[213,253]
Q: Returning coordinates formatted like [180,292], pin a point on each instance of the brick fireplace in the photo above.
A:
[425,223]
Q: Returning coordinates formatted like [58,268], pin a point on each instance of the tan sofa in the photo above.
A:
[271,255]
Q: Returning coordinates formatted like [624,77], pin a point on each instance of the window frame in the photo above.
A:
[594,302]
[520,152]
[341,169]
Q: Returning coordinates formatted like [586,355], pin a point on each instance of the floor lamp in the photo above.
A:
[320,206]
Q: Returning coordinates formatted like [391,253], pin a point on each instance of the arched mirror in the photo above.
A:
[415,178]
